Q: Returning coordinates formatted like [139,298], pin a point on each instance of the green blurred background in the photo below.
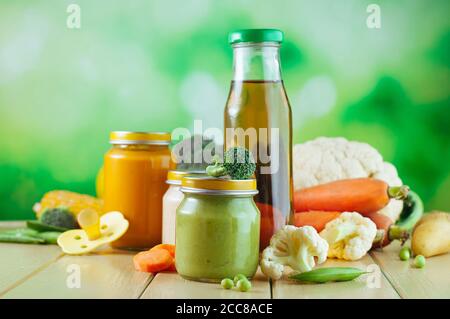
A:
[158,65]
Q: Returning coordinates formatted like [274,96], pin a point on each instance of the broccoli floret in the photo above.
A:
[189,153]
[59,217]
[238,164]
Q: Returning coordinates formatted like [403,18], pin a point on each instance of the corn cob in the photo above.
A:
[73,201]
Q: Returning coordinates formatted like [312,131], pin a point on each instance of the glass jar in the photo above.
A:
[217,229]
[135,171]
[171,200]
[258,116]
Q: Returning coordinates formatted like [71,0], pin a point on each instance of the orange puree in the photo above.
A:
[135,173]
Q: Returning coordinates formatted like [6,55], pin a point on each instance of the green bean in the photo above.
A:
[322,275]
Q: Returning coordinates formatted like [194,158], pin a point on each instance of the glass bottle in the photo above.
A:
[258,117]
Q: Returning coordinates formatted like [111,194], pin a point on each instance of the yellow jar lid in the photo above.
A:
[125,137]
[202,184]
[174,177]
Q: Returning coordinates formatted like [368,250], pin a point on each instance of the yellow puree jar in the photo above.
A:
[217,229]
[135,171]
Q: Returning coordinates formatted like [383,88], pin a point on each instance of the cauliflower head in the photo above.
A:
[350,236]
[327,159]
[297,247]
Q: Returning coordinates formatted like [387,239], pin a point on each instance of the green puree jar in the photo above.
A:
[217,229]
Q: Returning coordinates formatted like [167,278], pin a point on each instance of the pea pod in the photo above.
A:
[50,237]
[322,275]
[28,236]
[412,211]
[20,231]
[41,227]
[18,237]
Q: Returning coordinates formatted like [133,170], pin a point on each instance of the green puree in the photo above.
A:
[217,236]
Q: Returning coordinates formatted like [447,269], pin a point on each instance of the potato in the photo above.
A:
[431,236]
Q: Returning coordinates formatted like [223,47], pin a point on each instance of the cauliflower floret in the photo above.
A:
[327,159]
[296,247]
[350,236]
[269,266]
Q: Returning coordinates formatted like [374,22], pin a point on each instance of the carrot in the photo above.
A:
[316,219]
[387,231]
[169,247]
[362,195]
[139,261]
[271,220]
[154,260]
[172,268]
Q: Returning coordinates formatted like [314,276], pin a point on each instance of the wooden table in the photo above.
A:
[43,271]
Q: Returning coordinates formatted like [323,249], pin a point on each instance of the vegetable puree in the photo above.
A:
[217,236]
[135,173]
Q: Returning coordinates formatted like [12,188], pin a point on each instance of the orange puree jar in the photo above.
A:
[135,181]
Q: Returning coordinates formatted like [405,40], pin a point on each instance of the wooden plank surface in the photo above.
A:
[18,262]
[171,285]
[432,281]
[41,271]
[107,275]
[356,289]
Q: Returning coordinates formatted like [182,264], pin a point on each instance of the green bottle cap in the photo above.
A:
[255,35]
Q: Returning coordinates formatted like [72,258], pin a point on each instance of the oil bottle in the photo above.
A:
[258,116]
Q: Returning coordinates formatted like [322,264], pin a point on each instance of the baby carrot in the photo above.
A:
[316,219]
[169,247]
[154,260]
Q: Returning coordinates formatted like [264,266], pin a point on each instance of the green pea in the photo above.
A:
[419,261]
[244,285]
[404,253]
[227,283]
[238,277]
